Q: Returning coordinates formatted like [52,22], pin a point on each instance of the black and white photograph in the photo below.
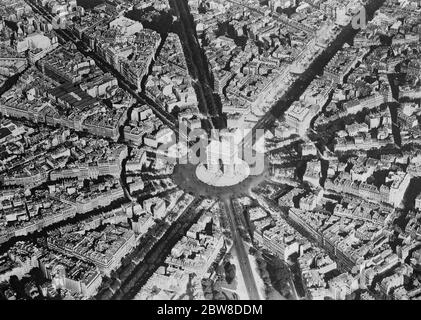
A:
[209,157]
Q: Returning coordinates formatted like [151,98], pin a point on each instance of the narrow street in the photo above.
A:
[164,116]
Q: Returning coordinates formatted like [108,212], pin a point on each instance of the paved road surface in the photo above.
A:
[298,87]
[199,69]
[244,261]
[68,35]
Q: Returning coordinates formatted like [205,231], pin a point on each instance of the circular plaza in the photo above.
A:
[220,178]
